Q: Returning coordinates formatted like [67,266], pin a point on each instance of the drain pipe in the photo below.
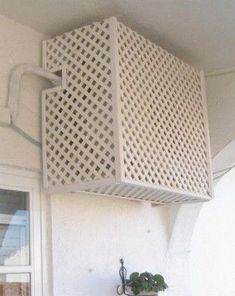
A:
[8,115]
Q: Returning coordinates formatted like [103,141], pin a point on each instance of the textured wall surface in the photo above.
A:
[213,244]
[91,234]
[19,44]
[221,108]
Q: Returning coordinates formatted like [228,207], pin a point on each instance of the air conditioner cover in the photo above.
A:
[130,119]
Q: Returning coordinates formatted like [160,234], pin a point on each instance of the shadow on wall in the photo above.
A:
[213,257]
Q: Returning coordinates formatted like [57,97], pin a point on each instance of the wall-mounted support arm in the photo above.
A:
[179,249]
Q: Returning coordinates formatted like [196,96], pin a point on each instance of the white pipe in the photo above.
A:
[5,116]
[15,82]
[9,114]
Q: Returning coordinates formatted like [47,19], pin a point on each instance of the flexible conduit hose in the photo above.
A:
[14,92]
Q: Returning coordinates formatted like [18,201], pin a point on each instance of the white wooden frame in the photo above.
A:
[23,180]
[58,53]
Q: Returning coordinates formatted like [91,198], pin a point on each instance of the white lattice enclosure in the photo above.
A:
[130,119]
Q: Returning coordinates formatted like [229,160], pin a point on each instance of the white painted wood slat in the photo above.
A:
[130,116]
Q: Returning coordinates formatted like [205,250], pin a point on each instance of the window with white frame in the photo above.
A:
[20,247]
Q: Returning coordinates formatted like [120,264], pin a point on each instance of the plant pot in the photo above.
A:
[142,293]
[148,294]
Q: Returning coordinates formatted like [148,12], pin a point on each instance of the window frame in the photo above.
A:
[28,181]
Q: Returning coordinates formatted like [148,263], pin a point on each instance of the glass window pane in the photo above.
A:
[14,228]
[13,284]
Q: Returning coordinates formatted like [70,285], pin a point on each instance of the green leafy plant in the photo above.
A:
[146,282]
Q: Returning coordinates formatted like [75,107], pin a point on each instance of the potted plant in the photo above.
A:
[142,284]
[145,284]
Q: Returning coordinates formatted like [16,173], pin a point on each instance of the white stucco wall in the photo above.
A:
[20,44]
[90,234]
[220,91]
[213,244]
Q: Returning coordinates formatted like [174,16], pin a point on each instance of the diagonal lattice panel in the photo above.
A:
[161,102]
[79,134]
[129,120]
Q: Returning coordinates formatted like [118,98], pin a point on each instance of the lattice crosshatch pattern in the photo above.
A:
[79,124]
[129,121]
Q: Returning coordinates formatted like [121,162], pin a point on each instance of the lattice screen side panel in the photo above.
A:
[163,118]
[143,193]
[78,119]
